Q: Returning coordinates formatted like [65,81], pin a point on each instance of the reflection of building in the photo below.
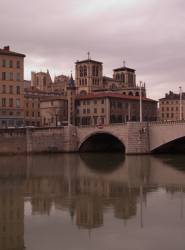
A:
[11,215]
[89,212]
[169,107]
[11,88]
[125,205]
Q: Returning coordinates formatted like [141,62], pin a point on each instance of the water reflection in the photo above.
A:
[81,188]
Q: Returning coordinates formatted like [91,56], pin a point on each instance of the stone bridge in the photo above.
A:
[136,138]
[130,138]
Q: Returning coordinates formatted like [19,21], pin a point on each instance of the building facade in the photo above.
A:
[32,115]
[41,81]
[89,76]
[107,108]
[54,111]
[169,107]
[11,88]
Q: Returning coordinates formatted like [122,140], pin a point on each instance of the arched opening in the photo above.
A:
[173,147]
[102,142]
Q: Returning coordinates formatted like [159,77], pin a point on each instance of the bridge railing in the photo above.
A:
[166,122]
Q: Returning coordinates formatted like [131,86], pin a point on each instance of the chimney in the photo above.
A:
[7,48]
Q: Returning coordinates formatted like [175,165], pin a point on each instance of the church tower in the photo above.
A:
[125,76]
[89,76]
[71,94]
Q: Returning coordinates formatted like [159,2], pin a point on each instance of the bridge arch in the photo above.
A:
[101,141]
[173,146]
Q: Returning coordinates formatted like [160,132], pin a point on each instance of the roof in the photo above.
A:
[172,96]
[88,61]
[6,51]
[125,69]
[112,95]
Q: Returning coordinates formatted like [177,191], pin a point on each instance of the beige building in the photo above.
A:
[169,107]
[32,108]
[11,88]
[60,84]
[108,107]
[54,111]
[41,81]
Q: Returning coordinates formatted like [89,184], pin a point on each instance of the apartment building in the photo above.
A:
[11,88]
[169,107]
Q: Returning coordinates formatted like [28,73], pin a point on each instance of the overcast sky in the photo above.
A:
[148,34]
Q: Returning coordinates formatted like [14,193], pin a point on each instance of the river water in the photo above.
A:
[92,201]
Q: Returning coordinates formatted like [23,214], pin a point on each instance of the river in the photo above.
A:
[92,201]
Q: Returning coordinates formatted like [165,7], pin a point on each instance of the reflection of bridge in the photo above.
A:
[137,138]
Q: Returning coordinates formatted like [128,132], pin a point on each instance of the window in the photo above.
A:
[3,102]
[88,111]
[95,110]
[27,113]
[102,110]
[102,101]
[10,89]
[95,101]
[10,64]
[17,103]
[11,102]
[4,63]
[18,77]
[33,114]
[3,75]
[18,64]
[11,76]
[4,89]
[18,90]
[84,111]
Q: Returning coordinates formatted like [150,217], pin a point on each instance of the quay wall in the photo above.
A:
[38,140]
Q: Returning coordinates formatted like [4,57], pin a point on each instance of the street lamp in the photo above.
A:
[180,103]
[140,103]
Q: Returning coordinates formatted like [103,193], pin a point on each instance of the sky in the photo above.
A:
[148,34]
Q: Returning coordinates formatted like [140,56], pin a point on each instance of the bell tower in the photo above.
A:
[88,75]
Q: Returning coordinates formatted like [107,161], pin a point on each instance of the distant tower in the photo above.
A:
[71,94]
[125,76]
[89,75]
[41,80]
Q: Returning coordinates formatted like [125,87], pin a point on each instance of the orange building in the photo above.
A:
[11,88]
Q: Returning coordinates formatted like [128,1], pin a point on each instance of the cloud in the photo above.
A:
[149,35]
